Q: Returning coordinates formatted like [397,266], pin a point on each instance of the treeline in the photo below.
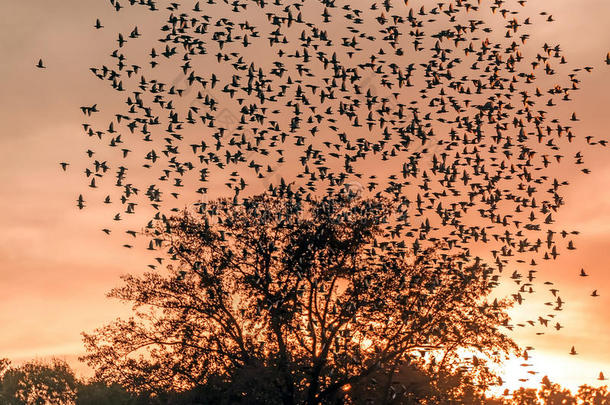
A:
[284,300]
[55,383]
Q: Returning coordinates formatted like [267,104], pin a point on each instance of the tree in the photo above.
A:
[100,393]
[594,396]
[524,396]
[419,383]
[553,394]
[311,296]
[38,383]
[550,393]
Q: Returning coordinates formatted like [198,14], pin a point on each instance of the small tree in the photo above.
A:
[553,394]
[594,396]
[524,396]
[423,384]
[550,393]
[38,383]
[311,296]
[100,393]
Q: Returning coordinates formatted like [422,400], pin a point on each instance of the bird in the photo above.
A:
[573,351]
[98,25]
[80,202]
[64,165]
[601,376]
[466,135]
[40,64]
[582,273]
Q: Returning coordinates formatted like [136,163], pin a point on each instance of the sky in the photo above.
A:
[56,265]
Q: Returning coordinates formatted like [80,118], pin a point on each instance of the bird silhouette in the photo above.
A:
[465,129]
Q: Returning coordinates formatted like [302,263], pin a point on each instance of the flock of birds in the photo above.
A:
[440,106]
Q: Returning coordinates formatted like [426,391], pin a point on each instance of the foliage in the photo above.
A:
[594,396]
[316,291]
[37,383]
[550,393]
[416,382]
[100,393]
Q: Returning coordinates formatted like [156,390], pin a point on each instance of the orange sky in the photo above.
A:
[56,264]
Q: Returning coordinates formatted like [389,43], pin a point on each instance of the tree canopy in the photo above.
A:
[314,295]
[37,383]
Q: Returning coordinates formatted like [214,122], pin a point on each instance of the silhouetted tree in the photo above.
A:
[553,394]
[420,383]
[37,383]
[594,396]
[524,396]
[550,393]
[295,300]
[99,393]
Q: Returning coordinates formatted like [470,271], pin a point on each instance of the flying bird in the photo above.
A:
[466,134]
